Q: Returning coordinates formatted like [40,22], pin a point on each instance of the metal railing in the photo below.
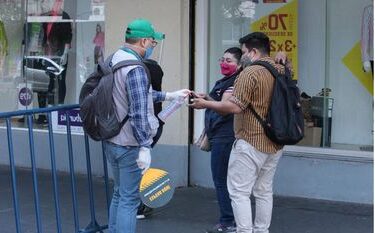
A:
[93,226]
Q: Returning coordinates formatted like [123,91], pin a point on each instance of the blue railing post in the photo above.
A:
[71,167]
[105,167]
[34,175]
[54,175]
[93,226]
[14,177]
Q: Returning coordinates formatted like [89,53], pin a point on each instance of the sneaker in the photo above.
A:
[222,229]
[143,212]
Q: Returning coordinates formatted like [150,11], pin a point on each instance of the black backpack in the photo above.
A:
[284,123]
[97,107]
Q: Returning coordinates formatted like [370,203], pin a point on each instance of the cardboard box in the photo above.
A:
[312,137]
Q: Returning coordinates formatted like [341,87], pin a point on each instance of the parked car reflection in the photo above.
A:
[39,71]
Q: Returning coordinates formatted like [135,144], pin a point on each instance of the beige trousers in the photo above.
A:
[251,171]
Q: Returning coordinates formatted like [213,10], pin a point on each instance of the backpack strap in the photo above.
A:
[274,73]
[125,63]
[124,121]
[257,116]
[272,69]
[268,66]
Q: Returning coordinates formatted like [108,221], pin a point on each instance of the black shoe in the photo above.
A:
[219,228]
[143,212]
[42,120]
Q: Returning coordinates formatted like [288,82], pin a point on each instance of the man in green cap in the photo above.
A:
[129,152]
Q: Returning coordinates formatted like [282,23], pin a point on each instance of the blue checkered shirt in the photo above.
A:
[136,88]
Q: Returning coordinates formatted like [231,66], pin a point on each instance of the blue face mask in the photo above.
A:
[148,52]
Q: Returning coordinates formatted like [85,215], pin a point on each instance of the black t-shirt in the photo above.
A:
[60,34]
[220,128]
[156,79]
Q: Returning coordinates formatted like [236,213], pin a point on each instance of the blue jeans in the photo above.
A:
[220,152]
[127,177]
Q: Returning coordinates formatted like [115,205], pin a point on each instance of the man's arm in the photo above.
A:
[221,107]
[137,91]
[159,96]
[281,58]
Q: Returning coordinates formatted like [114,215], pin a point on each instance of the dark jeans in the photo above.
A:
[220,152]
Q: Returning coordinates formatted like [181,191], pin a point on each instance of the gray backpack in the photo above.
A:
[97,107]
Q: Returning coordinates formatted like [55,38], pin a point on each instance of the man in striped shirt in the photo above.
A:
[254,156]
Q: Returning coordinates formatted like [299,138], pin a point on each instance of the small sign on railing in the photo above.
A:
[59,121]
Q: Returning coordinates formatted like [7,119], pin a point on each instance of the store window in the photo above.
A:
[47,50]
[332,58]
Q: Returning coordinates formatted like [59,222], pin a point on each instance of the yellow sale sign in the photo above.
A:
[281,26]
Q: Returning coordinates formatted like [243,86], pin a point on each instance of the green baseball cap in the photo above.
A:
[142,28]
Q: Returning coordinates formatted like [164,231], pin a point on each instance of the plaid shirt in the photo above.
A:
[136,87]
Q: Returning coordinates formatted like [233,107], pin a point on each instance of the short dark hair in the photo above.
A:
[236,52]
[132,40]
[257,40]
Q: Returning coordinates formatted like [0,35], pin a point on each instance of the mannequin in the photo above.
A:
[367,37]
[99,44]
[57,37]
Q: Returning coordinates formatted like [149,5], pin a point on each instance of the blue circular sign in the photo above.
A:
[156,188]
[25,96]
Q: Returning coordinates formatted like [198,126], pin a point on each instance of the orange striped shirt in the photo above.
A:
[254,85]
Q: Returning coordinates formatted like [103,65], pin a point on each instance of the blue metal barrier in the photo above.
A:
[93,226]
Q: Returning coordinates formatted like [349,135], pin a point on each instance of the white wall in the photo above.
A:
[171,18]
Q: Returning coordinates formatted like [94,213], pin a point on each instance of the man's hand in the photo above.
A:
[177,94]
[198,95]
[221,107]
[198,103]
[281,58]
[144,159]
[367,66]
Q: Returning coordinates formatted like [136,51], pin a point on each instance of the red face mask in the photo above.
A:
[228,69]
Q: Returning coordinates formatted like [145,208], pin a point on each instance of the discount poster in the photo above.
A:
[281,26]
